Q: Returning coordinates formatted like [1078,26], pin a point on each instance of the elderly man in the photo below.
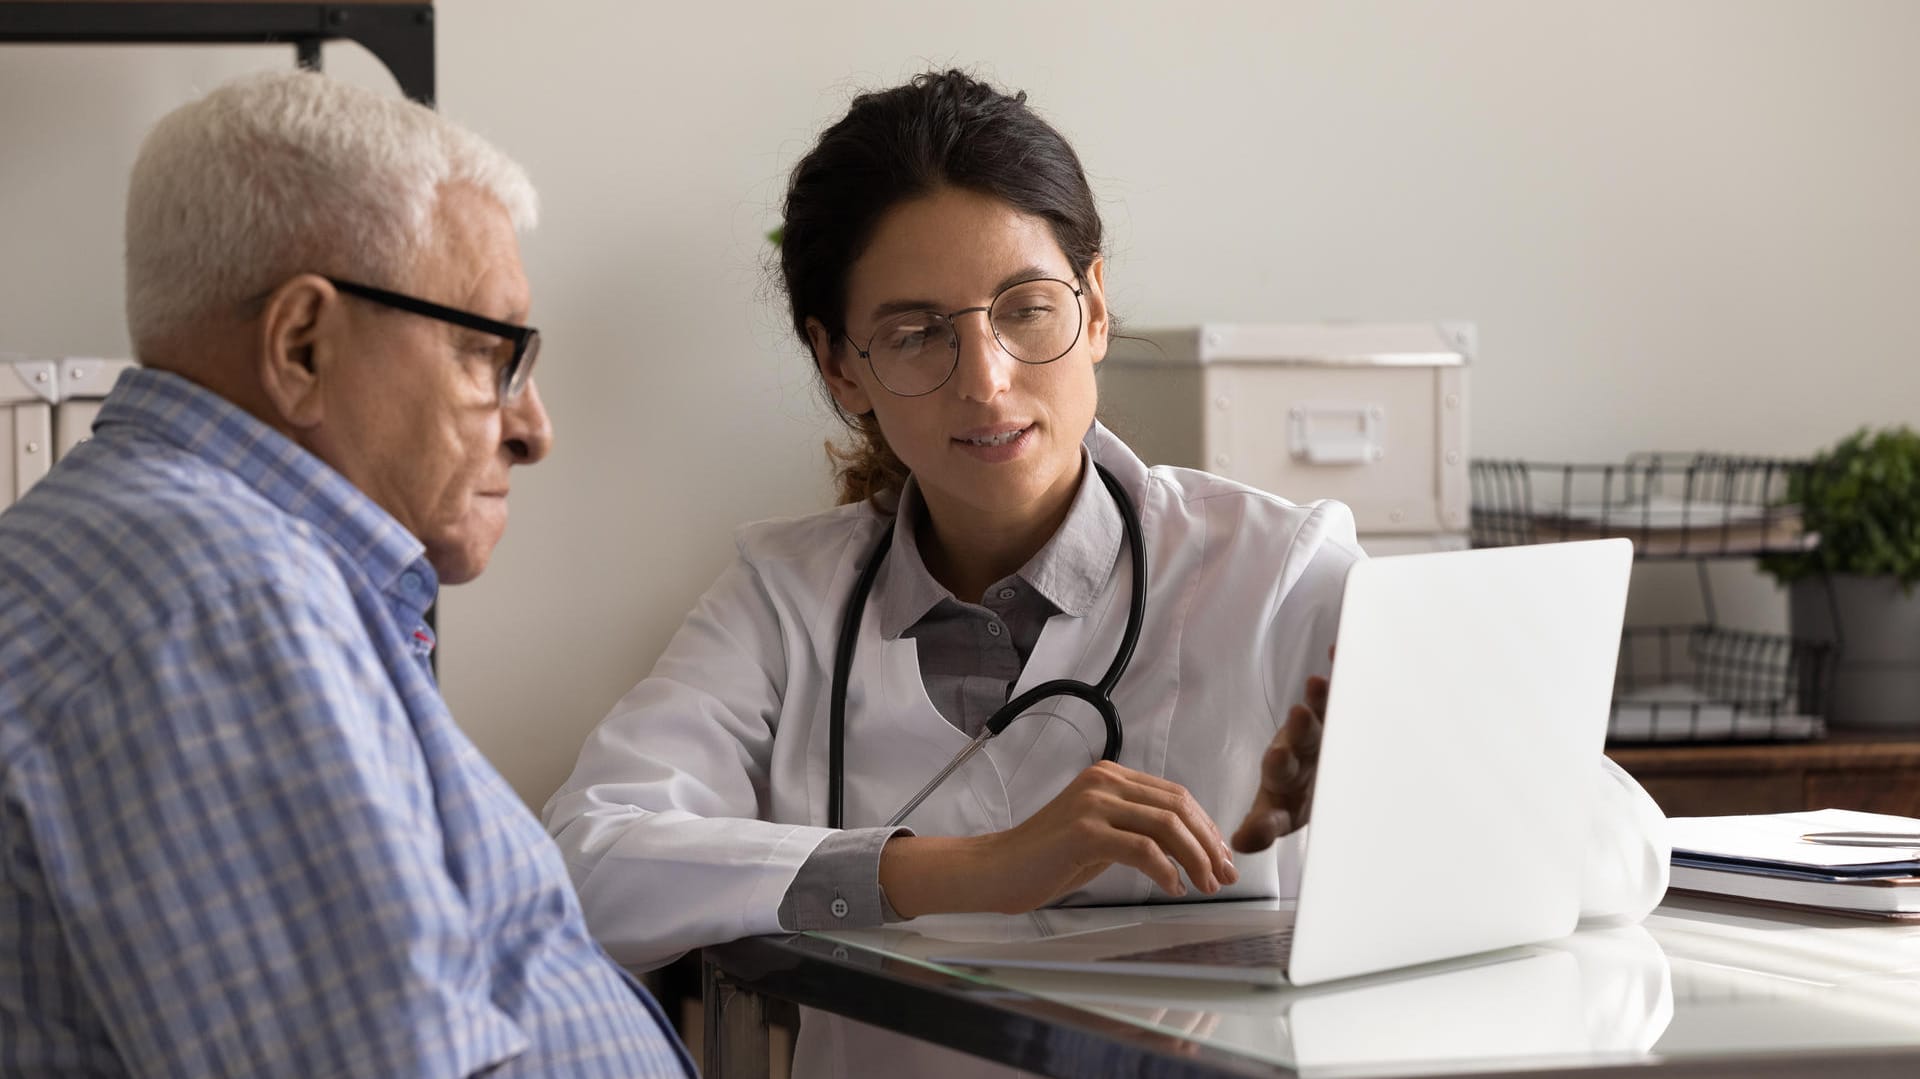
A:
[239,832]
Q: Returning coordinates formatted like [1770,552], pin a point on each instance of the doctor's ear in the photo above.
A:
[832,361]
[298,322]
[1099,323]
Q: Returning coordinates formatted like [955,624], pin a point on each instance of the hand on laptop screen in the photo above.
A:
[1287,770]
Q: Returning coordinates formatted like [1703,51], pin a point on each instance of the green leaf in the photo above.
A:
[1862,497]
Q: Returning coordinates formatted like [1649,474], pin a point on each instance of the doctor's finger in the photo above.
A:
[1317,690]
[1261,828]
[1172,834]
[1098,843]
[1163,792]
[1287,765]
[1154,790]
[1302,732]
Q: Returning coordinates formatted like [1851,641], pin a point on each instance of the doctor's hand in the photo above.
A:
[1287,772]
[1109,815]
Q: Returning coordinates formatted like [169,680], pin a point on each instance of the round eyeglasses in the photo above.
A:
[520,345]
[914,353]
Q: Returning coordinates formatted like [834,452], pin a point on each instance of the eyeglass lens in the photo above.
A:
[519,368]
[1036,322]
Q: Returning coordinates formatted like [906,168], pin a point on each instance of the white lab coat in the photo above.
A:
[695,802]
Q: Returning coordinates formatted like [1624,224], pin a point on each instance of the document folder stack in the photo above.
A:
[1856,863]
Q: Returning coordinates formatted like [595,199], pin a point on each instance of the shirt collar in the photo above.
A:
[1069,571]
[172,409]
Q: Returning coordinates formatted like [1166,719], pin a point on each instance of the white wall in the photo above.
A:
[1678,225]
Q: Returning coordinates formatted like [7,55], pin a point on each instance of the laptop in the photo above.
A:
[1463,735]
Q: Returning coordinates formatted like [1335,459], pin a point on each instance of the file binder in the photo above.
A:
[1764,858]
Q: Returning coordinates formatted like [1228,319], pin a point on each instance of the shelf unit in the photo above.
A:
[1696,682]
[399,34]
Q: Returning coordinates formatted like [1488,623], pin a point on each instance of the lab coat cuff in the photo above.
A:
[838,886]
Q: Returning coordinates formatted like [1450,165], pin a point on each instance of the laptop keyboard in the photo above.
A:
[1268,948]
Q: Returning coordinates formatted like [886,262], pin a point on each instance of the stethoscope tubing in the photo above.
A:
[1099,696]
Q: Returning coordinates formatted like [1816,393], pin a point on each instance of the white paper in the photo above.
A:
[1776,837]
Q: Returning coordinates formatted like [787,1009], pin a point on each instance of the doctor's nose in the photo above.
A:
[983,369]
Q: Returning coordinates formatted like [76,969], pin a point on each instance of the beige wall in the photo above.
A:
[1677,224]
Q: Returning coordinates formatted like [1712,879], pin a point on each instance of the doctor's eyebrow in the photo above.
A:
[1024,273]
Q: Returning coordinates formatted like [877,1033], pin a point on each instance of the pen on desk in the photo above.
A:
[1864,839]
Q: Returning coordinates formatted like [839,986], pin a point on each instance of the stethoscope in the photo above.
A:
[1100,696]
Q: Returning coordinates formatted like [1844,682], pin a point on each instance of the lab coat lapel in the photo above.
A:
[897,741]
[1057,738]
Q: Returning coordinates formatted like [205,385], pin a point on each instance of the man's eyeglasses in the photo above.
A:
[513,374]
[915,353]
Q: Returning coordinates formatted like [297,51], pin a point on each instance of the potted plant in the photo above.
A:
[1856,588]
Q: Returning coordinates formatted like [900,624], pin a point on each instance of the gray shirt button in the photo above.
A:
[1008,593]
[838,907]
[993,629]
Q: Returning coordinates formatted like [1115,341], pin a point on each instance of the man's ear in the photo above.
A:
[1099,324]
[295,324]
[846,392]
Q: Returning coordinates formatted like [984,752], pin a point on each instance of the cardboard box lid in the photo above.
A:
[1316,344]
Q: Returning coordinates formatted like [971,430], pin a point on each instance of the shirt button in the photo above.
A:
[1007,593]
[410,581]
[838,907]
[993,629]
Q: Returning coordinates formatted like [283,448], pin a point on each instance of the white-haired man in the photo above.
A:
[239,832]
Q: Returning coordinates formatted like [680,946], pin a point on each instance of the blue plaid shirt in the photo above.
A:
[239,832]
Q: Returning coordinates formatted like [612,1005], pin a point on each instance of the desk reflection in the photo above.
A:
[1598,996]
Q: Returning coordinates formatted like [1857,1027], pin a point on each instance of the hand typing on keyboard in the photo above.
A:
[1287,771]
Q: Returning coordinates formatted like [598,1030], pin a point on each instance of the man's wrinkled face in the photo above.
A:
[413,415]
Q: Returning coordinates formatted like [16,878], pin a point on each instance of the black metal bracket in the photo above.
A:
[399,35]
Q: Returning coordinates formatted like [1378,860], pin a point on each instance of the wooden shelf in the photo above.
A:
[1874,771]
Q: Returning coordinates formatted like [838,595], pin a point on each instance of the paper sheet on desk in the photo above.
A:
[1775,837]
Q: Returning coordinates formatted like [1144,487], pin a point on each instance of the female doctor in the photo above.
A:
[942,255]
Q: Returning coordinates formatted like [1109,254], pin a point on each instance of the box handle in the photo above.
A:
[1336,434]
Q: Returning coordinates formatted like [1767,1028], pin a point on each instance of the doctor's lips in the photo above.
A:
[997,435]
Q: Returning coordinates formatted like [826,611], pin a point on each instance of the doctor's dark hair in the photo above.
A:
[944,129]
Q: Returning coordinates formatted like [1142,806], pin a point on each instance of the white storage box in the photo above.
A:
[28,389]
[1374,415]
[47,408]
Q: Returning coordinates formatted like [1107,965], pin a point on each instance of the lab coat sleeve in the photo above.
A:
[1628,852]
[658,823]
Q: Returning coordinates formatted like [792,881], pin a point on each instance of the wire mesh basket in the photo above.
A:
[1706,683]
[1671,505]
[1698,682]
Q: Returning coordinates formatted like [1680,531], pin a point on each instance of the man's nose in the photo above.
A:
[528,430]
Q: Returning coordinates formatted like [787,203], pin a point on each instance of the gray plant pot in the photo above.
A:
[1876,684]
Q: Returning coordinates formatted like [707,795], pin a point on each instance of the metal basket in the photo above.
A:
[1706,683]
[1687,683]
[1696,505]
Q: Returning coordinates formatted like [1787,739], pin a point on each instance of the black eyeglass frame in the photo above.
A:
[514,374]
[1079,327]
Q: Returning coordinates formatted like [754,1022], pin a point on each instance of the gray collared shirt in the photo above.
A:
[971,655]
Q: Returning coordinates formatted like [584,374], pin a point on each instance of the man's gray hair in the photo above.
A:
[283,173]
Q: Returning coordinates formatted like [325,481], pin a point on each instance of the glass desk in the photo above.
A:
[1702,988]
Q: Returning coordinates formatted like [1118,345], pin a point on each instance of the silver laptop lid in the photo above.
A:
[1468,712]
